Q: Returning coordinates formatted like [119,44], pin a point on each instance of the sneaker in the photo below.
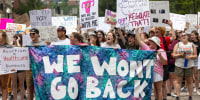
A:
[183,89]
[190,98]
[194,90]
[177,98]
[198,93]
[174,95]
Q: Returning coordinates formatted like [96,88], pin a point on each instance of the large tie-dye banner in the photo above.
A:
[86,72]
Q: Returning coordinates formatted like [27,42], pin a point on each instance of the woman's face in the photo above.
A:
[193,36]
[92,39]
[152,45]
[100,36]
[109,38]
[72,39]
[158,33]
[184,37]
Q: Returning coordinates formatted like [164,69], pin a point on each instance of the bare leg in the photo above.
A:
[14,85]
[190,84]
[178,84]
[158,89]
[21,83]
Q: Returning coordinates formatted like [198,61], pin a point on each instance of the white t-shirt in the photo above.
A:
[62,42]
[105,45]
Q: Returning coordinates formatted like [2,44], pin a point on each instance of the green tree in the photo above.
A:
[28,5]
[107,4]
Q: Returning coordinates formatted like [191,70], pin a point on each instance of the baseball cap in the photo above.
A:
[34,30]
[155,40]
[61,28]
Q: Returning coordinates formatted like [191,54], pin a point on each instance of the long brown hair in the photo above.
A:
[5,38]
[18,36]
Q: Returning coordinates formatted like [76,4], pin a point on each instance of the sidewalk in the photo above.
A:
[183,96]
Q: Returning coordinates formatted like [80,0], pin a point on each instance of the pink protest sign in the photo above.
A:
[4,21]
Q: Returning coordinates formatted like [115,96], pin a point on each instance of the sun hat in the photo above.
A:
[155,40]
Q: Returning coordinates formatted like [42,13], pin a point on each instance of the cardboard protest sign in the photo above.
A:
[11,29]
[103,26]
[110,17]
[15,58]
[40,18]
[178,21]
[69,22]
[192,20]
[199,22]
[91,73]
[133,13]
[88,10]
[2,71]
[21,28]
[26,40]
[4,22]
[48,33]
[159,13]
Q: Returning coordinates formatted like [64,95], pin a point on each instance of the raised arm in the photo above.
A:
[140,42]
[172,30]
[121,36]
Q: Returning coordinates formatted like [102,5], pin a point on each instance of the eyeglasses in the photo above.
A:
[183,35]
[179,32]
[99,34]
[32,33]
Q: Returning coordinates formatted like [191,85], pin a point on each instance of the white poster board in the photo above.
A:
[26,40]
[11,29]
[48,33]
[15,58]
[69,22]
[21,28]
[133,13]
[159,13]
[199,22]
[110,17]
[178,21]
[192,20]
[103,26]
[88,10]
[40,18]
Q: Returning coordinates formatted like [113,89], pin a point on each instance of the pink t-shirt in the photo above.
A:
[158,66]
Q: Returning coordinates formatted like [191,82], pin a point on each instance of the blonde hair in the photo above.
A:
[162,30]
[5,38]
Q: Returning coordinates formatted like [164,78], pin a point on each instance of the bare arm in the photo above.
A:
[121,36]
[140,42]
[173,32]
[162,59]
[174,54]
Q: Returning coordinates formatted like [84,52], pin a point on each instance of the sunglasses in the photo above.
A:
[32,33]
[183,35]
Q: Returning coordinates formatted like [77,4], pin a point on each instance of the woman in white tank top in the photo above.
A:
[184,52]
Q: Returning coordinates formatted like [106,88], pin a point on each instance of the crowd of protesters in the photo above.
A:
[173,50]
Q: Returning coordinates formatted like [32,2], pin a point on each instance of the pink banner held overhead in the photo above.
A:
[4,21]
